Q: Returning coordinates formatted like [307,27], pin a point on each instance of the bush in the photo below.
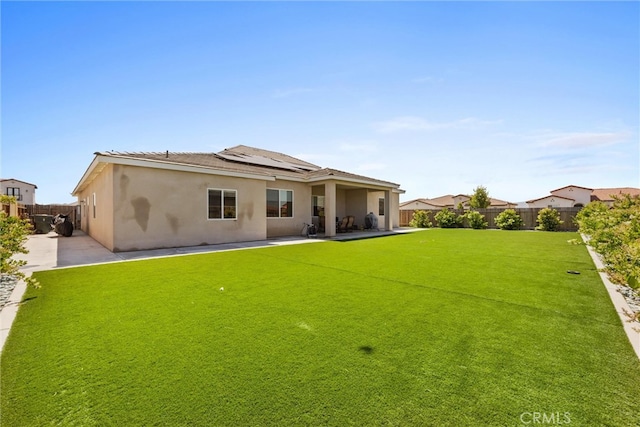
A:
[509,220]
[615,234]
[448,219]
[476,220]
[13,235]
[548,220]
[420,220]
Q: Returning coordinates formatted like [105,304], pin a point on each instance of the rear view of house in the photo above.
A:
[132,201]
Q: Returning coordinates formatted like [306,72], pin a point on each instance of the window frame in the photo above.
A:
[279,190]
[222,204]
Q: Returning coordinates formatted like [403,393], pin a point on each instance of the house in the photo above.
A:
[24,192]
[576,196]
[450,202]
[132,201]
[606,195]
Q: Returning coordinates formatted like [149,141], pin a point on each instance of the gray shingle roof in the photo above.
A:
[246,159]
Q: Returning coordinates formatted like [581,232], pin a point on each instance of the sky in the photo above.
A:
[440,97]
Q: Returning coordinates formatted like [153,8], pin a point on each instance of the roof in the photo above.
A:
[574,186]
[240,161]
[243,153]
[605,194]
[550,196]
[448,200]
[421,200]
[17,180]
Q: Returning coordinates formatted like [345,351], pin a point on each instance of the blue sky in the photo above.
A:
[520,97]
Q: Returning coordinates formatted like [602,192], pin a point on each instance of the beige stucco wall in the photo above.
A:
[341,203]
[554,202]
[98,222]
[372,206]
[301,209]
[356,205]
[156,208]
[580,195]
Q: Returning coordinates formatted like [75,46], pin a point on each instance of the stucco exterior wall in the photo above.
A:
[156,208]
[395,209]
[341,203]
[96,208]
[301,209]
[552,201]
[356,205]
[373,206]
[580,195]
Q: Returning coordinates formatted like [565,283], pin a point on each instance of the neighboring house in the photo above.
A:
[576,196]
[606,195]
[451,202]
[24,192]
[551,202]
[132,201]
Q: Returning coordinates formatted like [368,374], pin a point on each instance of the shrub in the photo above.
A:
[615,234]
[420,220]
[13,235]
[476,220]
[548,220]
[448,219]
[509,220]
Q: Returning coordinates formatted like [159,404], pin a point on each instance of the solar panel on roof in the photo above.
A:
[264,161]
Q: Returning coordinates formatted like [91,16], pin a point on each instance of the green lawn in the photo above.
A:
[440,327]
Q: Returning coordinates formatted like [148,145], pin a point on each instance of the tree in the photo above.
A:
[480,198]
[13,235]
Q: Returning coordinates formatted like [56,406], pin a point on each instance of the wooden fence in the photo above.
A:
[529,217]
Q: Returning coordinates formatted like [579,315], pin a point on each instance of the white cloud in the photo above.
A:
[572,140]
[413,123]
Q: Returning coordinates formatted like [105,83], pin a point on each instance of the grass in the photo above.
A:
[441,327]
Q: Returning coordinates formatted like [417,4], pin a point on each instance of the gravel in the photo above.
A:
[7,283]
[632,297]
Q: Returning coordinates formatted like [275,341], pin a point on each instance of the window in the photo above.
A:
[222,204]
[279,203]
[318,205]
[94,205]
[14,192]
[381,207]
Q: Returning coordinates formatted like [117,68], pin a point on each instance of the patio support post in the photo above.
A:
[388,221]
[330,209]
